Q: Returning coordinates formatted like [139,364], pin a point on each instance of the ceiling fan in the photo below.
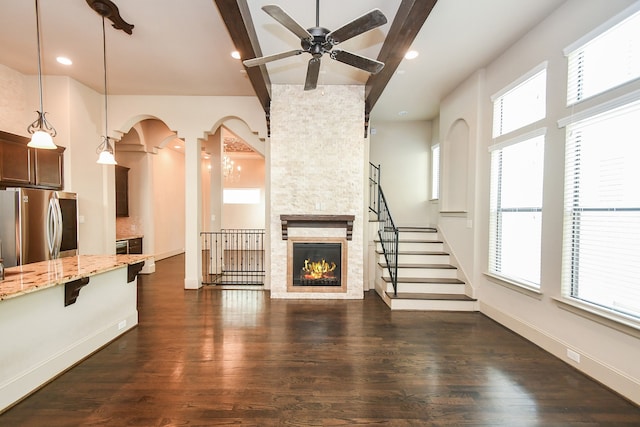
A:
[318,41]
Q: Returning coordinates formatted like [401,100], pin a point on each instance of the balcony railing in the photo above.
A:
[233,257]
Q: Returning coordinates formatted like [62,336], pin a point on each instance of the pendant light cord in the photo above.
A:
[104,62]
[317,13]
[39,64]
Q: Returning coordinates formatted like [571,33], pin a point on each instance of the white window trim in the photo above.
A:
[596,313]
[538,68]
[433,147]
[620,101]
[518,139]
[515,285]
[605,26]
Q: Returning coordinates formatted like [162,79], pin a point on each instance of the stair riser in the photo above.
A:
[435,305]
[428,273]
[414,235]
[418,259]
[428,288]
[416,246]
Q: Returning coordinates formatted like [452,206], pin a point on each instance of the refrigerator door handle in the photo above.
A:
[51,227]
[58,241]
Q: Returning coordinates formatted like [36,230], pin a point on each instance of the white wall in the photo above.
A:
[168,202]
[608,355]
[403,152]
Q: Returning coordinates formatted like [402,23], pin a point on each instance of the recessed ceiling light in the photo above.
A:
[63,60]
[403,113]
[235,54]
[412,54]
[176,146]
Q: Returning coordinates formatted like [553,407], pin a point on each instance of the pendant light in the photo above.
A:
[41,130]
[106,148]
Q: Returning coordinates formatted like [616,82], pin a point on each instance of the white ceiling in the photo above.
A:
[182,47]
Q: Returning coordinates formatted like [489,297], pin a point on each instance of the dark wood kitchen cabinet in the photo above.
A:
[122,190]
[135,246]
[22,166]
[48,170]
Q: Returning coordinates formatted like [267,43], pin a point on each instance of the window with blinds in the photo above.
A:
[601,248]
[602,60]
[516,209]
[522,103]
[435,172]
[601,241]
[517,169]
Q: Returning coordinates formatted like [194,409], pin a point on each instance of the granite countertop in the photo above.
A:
[29,278]
[128,236]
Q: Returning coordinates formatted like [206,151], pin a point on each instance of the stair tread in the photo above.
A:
[425,280]
[432,297]
[425,266]
[417,253]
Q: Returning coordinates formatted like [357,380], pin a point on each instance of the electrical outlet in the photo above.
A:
[573,355]
[122,325]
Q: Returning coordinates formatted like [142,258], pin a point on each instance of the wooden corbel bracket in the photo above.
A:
[109,10]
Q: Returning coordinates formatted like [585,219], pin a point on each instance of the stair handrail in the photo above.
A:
[388,233]
[374,185]
[387,230]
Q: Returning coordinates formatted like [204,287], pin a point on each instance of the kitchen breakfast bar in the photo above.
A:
[55,313]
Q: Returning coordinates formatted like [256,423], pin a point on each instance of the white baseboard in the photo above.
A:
[605,374]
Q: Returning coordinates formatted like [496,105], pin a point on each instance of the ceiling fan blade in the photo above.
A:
[366,64]
[366,22]
[264,59]
[313,70]
[288,22]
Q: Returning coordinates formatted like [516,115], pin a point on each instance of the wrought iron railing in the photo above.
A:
[387,230]
[388,233]
[233,257]
[374,185]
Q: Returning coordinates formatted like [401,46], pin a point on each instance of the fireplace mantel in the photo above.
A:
[317,221]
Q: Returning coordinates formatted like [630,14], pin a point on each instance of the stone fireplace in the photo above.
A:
[317,167]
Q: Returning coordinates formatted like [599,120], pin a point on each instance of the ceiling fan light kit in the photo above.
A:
[318,40]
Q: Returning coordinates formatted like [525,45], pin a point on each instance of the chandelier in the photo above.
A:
[230,171]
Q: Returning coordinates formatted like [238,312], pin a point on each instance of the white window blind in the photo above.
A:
[524,104]
[601,248]
[516,211]
[435,171]
[609,59]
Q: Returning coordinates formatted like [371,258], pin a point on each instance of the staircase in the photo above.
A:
[426,278]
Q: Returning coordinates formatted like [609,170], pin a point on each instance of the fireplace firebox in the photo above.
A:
[317,265]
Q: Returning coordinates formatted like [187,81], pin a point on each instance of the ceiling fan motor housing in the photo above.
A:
[320,44]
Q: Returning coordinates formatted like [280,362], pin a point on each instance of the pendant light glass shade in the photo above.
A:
[42,131]
[41,139]
[106,148]
[105,152]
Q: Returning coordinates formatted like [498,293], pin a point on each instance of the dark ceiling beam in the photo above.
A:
[236,16]
[406,24]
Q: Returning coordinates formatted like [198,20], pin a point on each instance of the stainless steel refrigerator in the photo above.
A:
[37,225]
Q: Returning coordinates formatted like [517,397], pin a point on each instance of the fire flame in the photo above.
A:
[318,270]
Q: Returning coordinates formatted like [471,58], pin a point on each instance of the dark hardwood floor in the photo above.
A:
[235,357]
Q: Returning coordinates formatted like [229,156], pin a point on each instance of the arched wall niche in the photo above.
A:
[455,168]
